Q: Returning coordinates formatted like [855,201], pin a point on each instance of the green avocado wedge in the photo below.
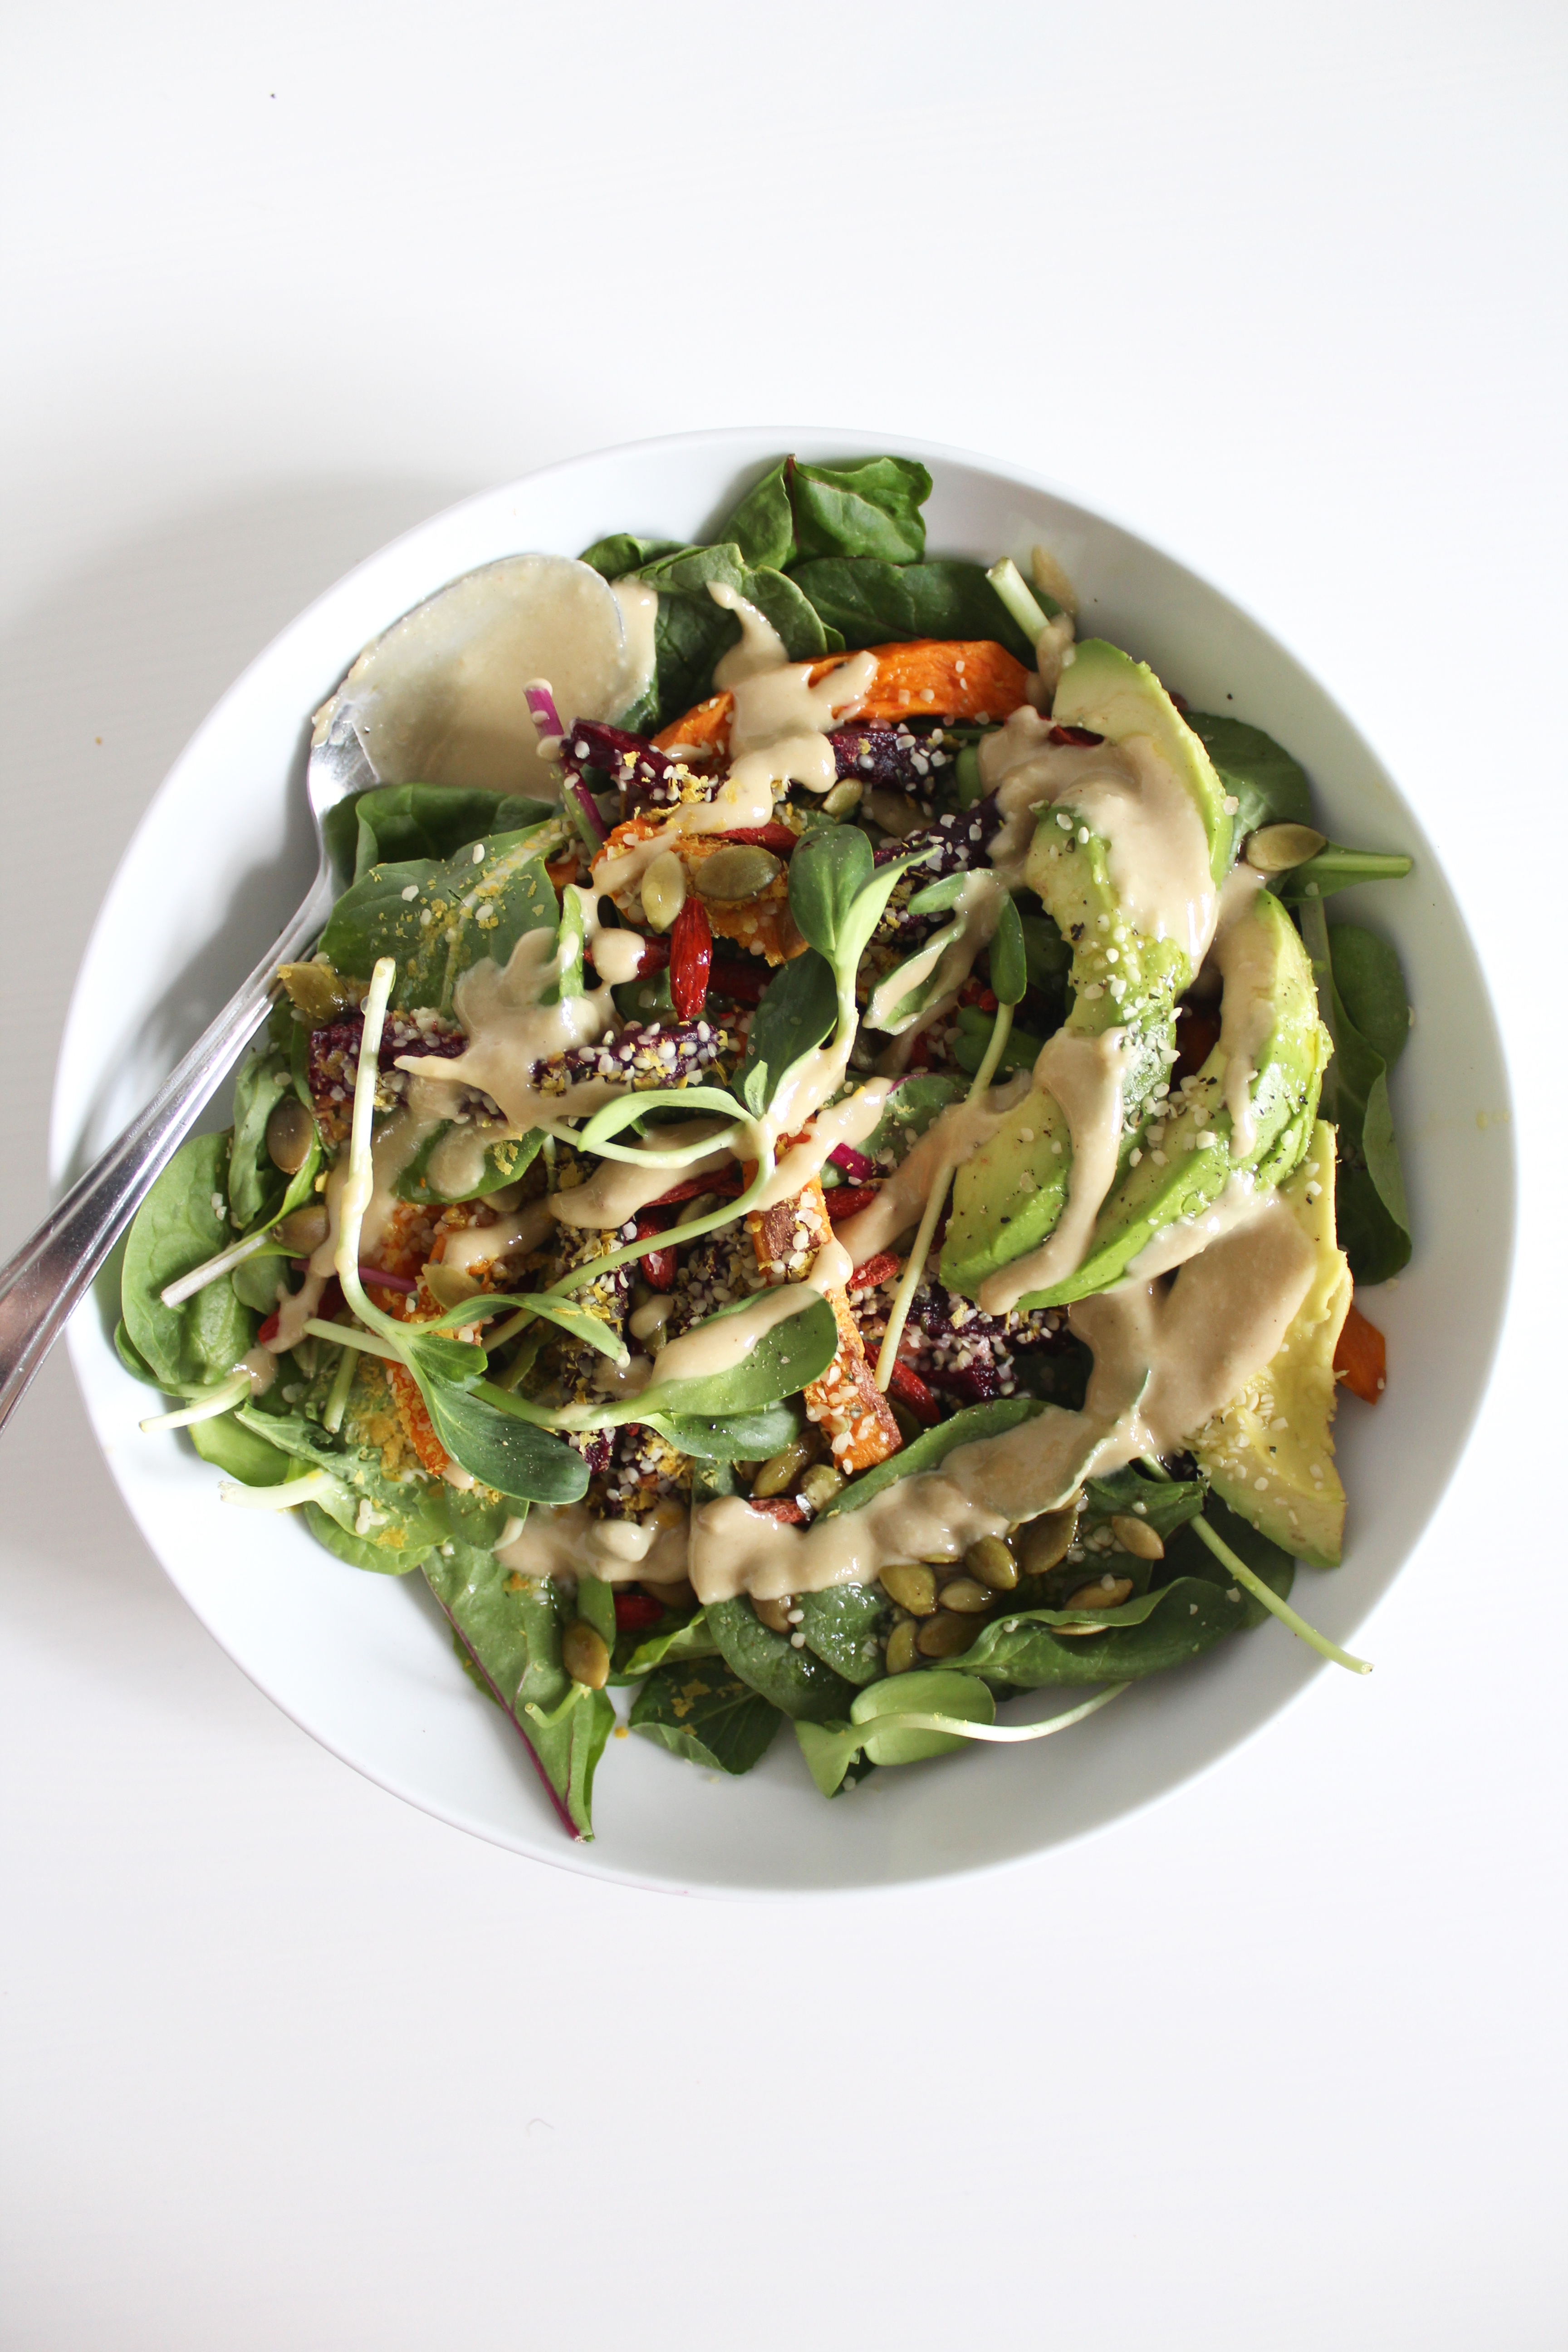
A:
[1106,690]
[1269,1453]
[1184,1172]
[1009,1198]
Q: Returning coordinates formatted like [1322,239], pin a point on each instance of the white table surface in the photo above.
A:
[1280,2064]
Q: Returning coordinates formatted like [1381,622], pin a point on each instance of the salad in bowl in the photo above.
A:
[816,1173]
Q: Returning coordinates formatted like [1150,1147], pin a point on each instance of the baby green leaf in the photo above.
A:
[783,1360]
[1009,962]
[502,1449]
[731,1437]
[795,1680]
[179,1225]
[1271,786]
[703,1711]
[435,919]
[798,1008]
[926,1452]
[826,874]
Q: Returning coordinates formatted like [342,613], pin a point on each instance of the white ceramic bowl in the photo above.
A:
[364,1661]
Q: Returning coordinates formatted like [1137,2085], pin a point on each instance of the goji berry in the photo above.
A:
[743,981]
[636,1611]
[874,1270]
[789,1513]
[911,1391]
[848,1200]
[691,958]
[777,837]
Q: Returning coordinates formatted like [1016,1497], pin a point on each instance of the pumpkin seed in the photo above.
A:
[902,1649]
[320,992]
[844,796]
[943,1636]
[991,1561]
[894,812]
[586,1654]
[302,1231]
[449,1285]
[664,890]
[970,1599]
[1105,1593]
[781,1469]
[912,1585]
[1044,1542]
[820,1484]
[1137,1536]
[1276,848]
[738,872]
[290,1131]
[774,1614]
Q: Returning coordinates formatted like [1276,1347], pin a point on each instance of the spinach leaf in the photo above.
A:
[229,1446]
[437,919]
[763,525]
[780,1364]
[130,1356]
[670,1644]
[1372,988]
[872,508]
[504,1162]
[840,1627]
[511,1627]
[1191,1556]
[616,557]
[690,631]
[707,1714]
[510,1455]
[1163,1505]
[734,1437]
[255,1185]
[181,1223]
[393,1523]
[391,824]
[1370,1213]
[798,1007]
[1338,868]
[794,1680]
[1147,1635]
[976,1420]
[876,604]
[1271,786]
[910,1111]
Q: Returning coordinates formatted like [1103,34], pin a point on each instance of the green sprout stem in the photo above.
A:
[903,1297]
[1254,1585]
[1017,596]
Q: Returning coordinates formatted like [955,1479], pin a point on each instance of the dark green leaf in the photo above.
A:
[177,1229]
[1163,1505]
[1271,786]
[394,822]
[1372,988]
[393,1525]
[510,1455]
[511,1626]
[872,508]
[1188,1555]
[841,1626]
[799,1006]
[912,1109]
[763,526]
[135,1363]
[872,603]
[1150,1635]
[737,1437]
[459,912]
[504,1162]
[1009,962]
[232,1448]
[616,557]
[256,1185]
[1371,1213]
[779,1364]
[670,1643]
[795,1680]
[1338,868]
[976,1420]
[826,874]
[704,1712]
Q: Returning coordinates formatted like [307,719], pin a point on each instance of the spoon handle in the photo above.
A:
[44,1281]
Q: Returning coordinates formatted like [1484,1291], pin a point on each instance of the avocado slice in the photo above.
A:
[1178,1177]
[1260,1453]
[1103,688]
[1008,1198]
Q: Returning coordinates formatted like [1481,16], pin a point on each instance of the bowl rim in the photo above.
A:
[85,1337]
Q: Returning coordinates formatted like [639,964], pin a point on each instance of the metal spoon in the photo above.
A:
[44,1281]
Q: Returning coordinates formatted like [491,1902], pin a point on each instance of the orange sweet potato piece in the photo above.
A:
[1361,1358]
[929,678]
[845,1403]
